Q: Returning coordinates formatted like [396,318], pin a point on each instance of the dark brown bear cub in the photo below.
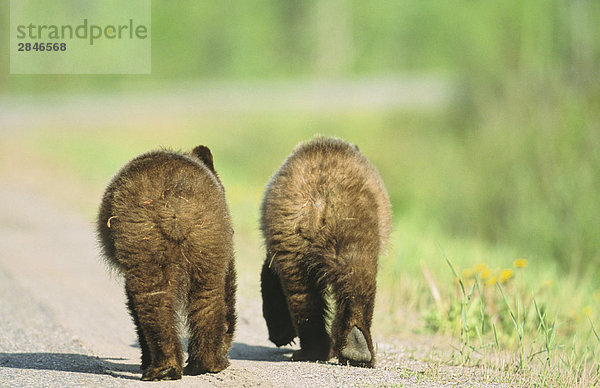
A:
[325,218]
[164,224]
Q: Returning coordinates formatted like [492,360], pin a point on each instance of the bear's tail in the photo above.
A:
[275,308]
[175,218]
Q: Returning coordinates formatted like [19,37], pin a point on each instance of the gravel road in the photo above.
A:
[63,320]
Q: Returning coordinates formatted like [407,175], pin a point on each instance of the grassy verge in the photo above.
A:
[505,312]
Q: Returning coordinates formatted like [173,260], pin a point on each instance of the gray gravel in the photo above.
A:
[63,320]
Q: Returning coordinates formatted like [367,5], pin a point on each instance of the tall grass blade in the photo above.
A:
[510,310]
[594,330]
[462,286]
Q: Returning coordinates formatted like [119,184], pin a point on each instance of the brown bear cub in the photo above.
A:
[326,218]
[164,224]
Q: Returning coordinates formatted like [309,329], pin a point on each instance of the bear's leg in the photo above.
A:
[351,328]
[154,304]
[207,320]
[307,308]
[230,290]
[146,358]
[275,308]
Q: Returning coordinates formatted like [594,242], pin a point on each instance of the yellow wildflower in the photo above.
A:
[505,274]
[479,267]
[587,311]
[467,273]
[491,281]
[486,273]
[520,263]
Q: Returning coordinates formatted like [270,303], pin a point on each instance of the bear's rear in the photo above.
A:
[164,224]
[325,218]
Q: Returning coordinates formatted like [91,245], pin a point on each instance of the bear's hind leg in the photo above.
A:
[351,328]
[146,358]
[207,320]
[307,306]
[275,308]
[152,298]
[230,290]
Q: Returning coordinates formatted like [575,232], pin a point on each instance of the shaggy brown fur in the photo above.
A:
[326,218]
[164,224]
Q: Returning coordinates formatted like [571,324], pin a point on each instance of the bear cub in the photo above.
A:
[165,226]
[326,218]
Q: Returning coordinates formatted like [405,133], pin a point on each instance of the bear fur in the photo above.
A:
[165,226]
[326,218]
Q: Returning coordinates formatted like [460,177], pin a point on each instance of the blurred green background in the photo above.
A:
[507,158]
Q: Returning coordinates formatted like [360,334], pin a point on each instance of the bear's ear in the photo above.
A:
[203,153]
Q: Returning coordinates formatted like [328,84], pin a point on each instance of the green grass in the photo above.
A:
[536,324]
